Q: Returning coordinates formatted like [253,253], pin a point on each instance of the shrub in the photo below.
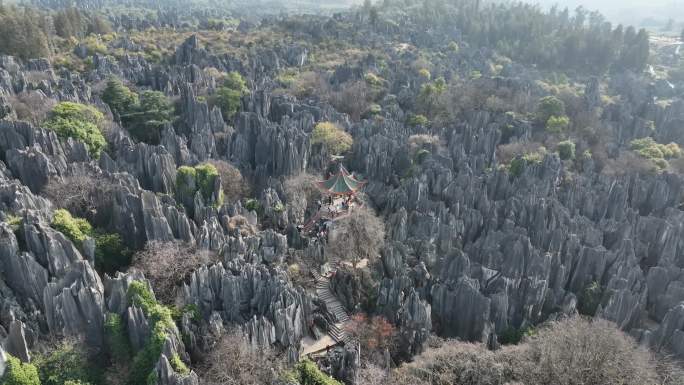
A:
[202,178]
[161,322]
[453,47]
[424,73]
[656,152]
[110,252]
[309,374]
[18,373]
[566,150]
[589,299]
[68,361]
[373,80]
[179,366]
[76,229]
[557,124]
[116,338]
[333,137]
[80,122]
[417,120]
[206,178]
[550,106]
[513,336]
[520,162]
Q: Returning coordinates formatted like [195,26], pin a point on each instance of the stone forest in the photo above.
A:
[409,192]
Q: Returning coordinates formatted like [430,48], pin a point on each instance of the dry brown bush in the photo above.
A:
[242,225]
[32,106]
[233,361]
[235,186]
[308,84]
[357,236]
[576,351]
[627,162]
[505,153]
[167,264]
[424,142]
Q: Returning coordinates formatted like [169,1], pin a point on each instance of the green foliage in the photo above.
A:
[589,299]
[656,152]
[179,366]
[206,179]
[513,336]
[68,362]
[453,47]
[550,106]
[120,99]
[200,178]
[253,205]
[235,81]
[566,150]
[333,137]
[519,163]
[110,252]
[430,93]
[307,373]
[161,321]
[557,124]
[80,122]
[424,73]
[116,338]
[76,229]
[373,80]
[417,120]
[14,221]
[151,114]
[18,373]
[228,97]
[23,32]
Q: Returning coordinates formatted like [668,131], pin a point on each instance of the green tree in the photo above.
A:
[557,124]
[120,99]
[549,106]
[333,137]
[18,373]
[67,362]
[229,95]
[153,112]
[566,150]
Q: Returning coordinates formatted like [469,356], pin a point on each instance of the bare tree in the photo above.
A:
[235,186]
[352,99]
[575,351]
[233,361]
[301,193]
[32,106]
[373,375]
[166,265]
[83,195]
[358,236]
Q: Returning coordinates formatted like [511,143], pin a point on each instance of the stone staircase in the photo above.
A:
[334,307]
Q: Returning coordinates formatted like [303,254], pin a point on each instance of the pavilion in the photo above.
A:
[342,183]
